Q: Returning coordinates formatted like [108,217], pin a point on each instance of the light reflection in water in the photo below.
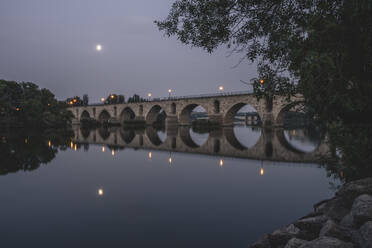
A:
[247,136]
[150,155]
[302,139]
[221,162]
[199,138]
[162,135]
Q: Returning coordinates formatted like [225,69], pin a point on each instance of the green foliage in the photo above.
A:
[115,99]
[24,104]
[352,148]
[321,49]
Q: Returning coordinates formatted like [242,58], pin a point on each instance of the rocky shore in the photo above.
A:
[344,221]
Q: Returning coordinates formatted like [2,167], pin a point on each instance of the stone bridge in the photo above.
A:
[271,145]
[220,108]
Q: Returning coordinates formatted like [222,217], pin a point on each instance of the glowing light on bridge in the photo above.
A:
[100,192]
[221,162]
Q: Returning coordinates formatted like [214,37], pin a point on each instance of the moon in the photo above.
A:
[99,47]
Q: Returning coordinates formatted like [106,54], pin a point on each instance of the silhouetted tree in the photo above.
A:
[321,48]
[85,100]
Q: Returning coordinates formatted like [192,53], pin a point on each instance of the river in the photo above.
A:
[156,188]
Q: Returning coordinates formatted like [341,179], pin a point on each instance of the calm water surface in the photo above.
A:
[120,188]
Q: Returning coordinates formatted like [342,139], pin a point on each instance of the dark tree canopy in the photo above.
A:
[321,48]
[25,104]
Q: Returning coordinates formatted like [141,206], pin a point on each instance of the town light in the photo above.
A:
[262,81]
[100,192]
[220,88]
[102,99]
[149,95]
[112,96]
[75,100]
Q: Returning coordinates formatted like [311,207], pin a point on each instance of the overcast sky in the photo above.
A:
[52,43]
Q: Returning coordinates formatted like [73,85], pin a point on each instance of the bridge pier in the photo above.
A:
[216,119]
[171,120]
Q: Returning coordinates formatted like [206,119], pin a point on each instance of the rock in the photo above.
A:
[292,229]
[365,238]
[354,189]
[279,238]
[362,209]
[319,207]
[331,229]
[312,224]
[262,243]
[327,242]
[347,221]
[335,208]
[295,243]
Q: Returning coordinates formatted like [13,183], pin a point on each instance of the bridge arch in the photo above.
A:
[193,138]
[85,115]
[155,114]
[104,116]
[279,120]
[127,114]
[287,140]
[185,114]
[127,135]
[228,119]
[153,136]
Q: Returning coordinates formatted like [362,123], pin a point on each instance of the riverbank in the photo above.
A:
[344,221]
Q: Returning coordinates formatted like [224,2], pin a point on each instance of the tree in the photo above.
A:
[25,104]
[322,48]
[85,100]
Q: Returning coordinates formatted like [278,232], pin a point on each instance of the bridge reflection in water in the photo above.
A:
[240,142]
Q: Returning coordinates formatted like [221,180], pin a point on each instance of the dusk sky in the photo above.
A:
[52,43]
